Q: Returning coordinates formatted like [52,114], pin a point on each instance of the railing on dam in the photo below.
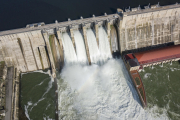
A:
[50,27]
[31,49]
[147,9]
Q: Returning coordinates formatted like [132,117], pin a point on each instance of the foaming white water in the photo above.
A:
[93,47]
[104,45]
[80,47]
[100,93]
[69,52]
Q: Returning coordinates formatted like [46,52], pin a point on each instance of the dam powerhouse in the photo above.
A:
[144,37]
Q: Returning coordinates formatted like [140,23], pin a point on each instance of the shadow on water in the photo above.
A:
[113,10]
[25,12]
[130,82]
[116,54]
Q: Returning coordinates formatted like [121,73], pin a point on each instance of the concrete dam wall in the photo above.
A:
[150,26]
[40,46]
[24,51]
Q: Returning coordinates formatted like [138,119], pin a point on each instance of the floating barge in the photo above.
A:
[137,61]
[158,56]
[132,65]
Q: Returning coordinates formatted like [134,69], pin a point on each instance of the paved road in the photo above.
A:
[9,87]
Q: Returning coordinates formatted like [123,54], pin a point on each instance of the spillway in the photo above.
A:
[93,47]
[70,55]
[104,46]
[101,91]
[80,47]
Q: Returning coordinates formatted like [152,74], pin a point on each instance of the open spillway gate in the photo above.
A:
[40,46]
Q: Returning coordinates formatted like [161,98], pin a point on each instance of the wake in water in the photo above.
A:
[100,93]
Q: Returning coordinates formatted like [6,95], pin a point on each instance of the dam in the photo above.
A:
[29,48]
[89,41]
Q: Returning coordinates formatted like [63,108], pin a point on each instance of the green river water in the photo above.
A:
[37,96]
[162,86]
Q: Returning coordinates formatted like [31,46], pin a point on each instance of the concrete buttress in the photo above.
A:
[72,38]
[46,38]
[108,34]
[86,44]
[121,36]
[97,33]
[44,57]
[57,48]
[59,35]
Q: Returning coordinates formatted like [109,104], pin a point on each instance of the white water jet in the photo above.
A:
[80,47]
[100,93]
[93,47]
[69,52]
[104,46]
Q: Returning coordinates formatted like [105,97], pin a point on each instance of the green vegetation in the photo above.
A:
[38,96]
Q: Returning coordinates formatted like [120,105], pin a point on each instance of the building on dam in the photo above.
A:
[41,46]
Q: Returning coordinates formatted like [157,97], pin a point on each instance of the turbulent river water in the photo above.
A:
[100,92]
[161,84]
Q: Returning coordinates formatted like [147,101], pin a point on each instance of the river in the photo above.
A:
[18,13]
